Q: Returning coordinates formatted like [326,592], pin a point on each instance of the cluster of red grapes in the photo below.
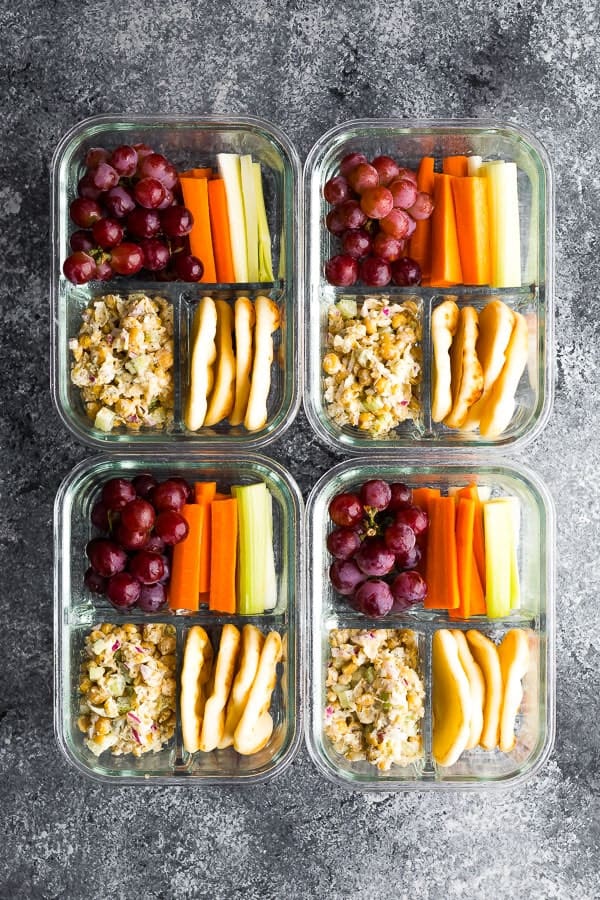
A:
[140,521]
[375,209]
[130,217]
[377,546]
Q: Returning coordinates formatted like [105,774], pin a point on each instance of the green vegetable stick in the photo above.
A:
[250,216]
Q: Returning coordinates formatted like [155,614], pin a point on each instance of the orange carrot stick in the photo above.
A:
[441,570]
[224,525]
[219,226]
[420,242]
[445,257]
[472,224]
[454,165]
[465,517]
[195,198]
[421,497]
[472,493]
[185,565]
[204,492]
[197,173]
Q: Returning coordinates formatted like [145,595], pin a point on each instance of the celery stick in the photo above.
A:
[250,215]
[230,171]
[270,576]
[498,528]
[473,165]
[265,258]
[252,541]
[505,236]
[512,503]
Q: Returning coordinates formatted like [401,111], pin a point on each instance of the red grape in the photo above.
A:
[404,192]
[351,215]
[376,494]
[156,254]
[131,540]
[119,201]
[401,496]
[82,240]
[376,202]
[84,212]
[106,557]
[168,201]
[375,271]
[387,247]
[422,207]
[169,494]
[107,233]
[188,267]
[127,259]
[412,227]
[143,484]
[142,150]
[155,165]
[177,479]
[147,567]
[396,223]
[409,174]
[337,190]
[156,544]
[363,176]
[387,169]
[335,221]
[149,192]
[415,517]
[346,510]
[95,156]
[103,271]
[94,582]
[408,588]
[138,515]
[123,590]
[399,538]
[409,560]
[356,243]
[374,558]
[341,270]
[99,516]
[176,221]
[85,188]
[124,160]
[343,543]
[374,598]
[350,161]
[143,223]
[79,267]
[406,272]
[171,527]
[345,575]
[152,597]
[117,492]
[104,177]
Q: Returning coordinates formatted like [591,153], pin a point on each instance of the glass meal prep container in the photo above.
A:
[476,768]
[188,142]
[407,142]
[78,612]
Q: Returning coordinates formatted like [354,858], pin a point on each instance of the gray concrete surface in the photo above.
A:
[306,66]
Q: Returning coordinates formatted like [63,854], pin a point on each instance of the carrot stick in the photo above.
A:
[195,198]
[224,525]
[478,533]
[221,496]
[219,226]
[420,242]
[472,224]
[185,564]
[445,257]
[465,517]
[421,497]
[455,165]
[441,570]
[204,492]
[197,173]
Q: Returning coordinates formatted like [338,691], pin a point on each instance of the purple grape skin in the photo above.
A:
[152,597]
[374,558]
[343,543]
[345,575]
[374,598]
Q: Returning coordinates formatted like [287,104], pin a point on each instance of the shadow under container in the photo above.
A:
[188,142]
[77,612]
[478,768]
[407,142]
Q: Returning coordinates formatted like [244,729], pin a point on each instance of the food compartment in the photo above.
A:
[78,612]
[187,143]
[530,293]
[534,620]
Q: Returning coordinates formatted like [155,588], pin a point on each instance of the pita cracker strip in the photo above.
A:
[244,329]
[500,405]
[444,322]
[213,725]
[256,725]
[496,321]
[223,394]
[204,353]
[252,643]
[195,673]
[467,377]
[267,321]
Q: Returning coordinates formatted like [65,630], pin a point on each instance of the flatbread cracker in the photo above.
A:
[223,394]
[476,686]
[196,671]
[444,322]
[252,643]
[496,321]
[466,374]
[485,654]
[256,725]
[267,321]
[500,405]
[213,725]
[244,333]
[203,355]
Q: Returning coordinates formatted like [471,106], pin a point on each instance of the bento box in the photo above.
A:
[487,243]
[119,717]
[371,680]
[142,369]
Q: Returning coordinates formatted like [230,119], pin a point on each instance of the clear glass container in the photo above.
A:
[187,141]
[77,612]
[408,141]
[476,768]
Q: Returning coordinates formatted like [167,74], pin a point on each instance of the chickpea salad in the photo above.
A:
[375,696]
[128,688]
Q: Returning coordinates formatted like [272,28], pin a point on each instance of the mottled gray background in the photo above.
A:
[305,66]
